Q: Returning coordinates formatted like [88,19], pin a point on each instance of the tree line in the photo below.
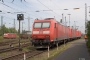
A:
[4,29]
[88,34]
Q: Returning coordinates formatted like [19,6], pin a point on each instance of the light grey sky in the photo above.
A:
[29,7]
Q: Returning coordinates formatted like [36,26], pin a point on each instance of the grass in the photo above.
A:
[28,48]
[53,53]
[4,54]
[60,49]
[1,38]
[88,49]
[6,40]
[88,45]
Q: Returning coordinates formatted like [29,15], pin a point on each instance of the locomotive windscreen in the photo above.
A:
[41,24]
[37,25]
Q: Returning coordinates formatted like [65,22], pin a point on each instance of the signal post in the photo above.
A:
[19,18]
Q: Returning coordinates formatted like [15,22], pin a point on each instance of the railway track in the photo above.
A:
[12,48]
[29,54]
[14,43]
[11,42]
[20,56]
[6,43]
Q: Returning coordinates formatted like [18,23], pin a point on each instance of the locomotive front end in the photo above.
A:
[41,34]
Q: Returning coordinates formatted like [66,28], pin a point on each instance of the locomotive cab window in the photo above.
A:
[46,25]
[37,25]
[42,25]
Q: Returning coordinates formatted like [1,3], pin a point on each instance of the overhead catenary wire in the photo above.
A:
[2,1]
[55,4]
[32,5]
[27,13]
[30,9]
[49,8]
[13,8]
[8,17]
[82,6]
[37,9]
[8,6]
[68,8]
[31,14]
[23,9]
[21,1]
[33,11]
[3,6]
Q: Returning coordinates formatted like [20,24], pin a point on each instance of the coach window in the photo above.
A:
[55,25]
[37,25]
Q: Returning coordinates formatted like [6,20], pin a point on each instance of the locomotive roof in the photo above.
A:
[49,18]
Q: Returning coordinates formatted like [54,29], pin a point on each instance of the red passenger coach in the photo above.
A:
[49,32]
[9,35]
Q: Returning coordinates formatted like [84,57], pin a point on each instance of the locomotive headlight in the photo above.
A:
[34,37]
[46,32]
[47,37]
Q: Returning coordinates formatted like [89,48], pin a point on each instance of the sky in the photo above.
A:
[47,9]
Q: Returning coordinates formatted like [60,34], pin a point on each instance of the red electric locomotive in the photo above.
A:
[48,32]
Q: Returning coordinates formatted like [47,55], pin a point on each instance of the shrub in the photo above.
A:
[88,34]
